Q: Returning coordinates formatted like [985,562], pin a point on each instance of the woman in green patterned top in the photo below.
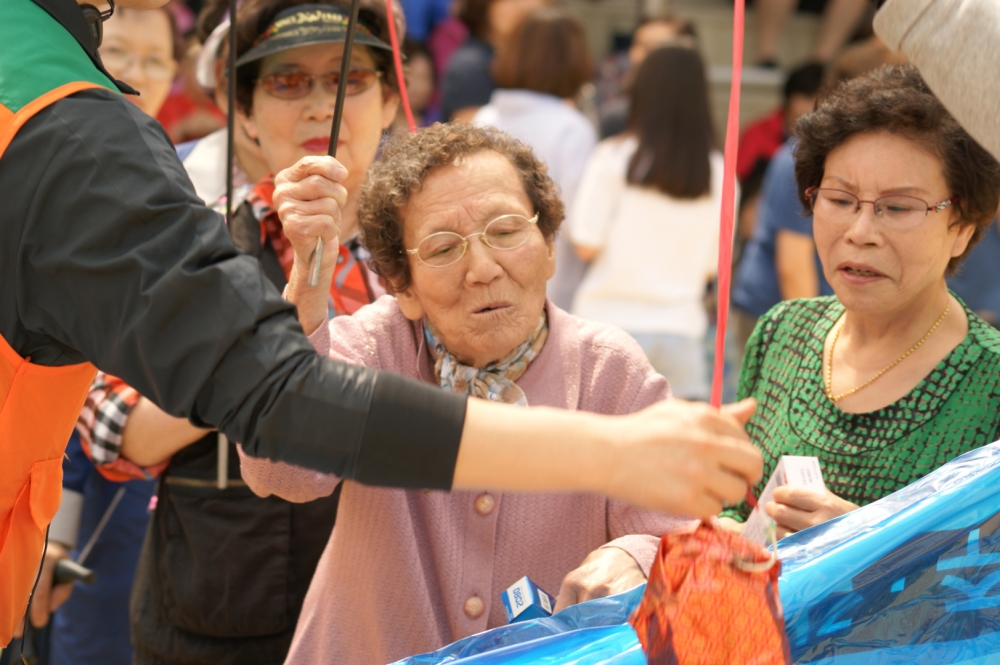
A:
[894,376]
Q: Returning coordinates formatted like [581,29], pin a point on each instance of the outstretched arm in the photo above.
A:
[117,262]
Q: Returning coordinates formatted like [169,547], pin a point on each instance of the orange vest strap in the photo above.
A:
[10,123]
[38,409]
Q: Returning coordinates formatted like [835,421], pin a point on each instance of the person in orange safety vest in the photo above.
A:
[108,259]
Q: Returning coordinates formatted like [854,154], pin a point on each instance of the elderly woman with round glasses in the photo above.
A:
[894,376]
[460,222]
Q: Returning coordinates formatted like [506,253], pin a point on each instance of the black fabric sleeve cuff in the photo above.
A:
[411,436]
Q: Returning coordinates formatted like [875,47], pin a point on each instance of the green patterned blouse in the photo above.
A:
[866,456]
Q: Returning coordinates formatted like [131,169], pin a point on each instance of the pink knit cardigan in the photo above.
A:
[401,566]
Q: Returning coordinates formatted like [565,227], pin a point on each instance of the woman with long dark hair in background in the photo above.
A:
[646,216]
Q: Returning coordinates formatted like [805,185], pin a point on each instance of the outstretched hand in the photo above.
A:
[676,457]
[686,458]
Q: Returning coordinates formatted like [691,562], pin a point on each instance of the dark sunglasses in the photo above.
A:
[296,85]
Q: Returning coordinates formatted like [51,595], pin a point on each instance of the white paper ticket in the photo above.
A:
[793,471]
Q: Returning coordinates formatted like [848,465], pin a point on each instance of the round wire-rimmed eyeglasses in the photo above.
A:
[896,211]
[444,248]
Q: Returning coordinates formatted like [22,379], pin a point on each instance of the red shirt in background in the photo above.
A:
[760,140]
[187,119]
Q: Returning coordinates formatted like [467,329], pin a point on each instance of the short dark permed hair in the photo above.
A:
[405,164]
[897,100]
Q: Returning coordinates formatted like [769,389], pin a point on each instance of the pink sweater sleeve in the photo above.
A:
[292,483]
[635,530]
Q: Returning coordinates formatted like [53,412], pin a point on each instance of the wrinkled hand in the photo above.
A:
[309,197]
[685,458]
[795,508]
[605,572]
[47,598]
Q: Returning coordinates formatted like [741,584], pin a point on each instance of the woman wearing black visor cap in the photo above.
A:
[228,587]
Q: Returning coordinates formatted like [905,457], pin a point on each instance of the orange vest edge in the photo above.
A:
[38,409]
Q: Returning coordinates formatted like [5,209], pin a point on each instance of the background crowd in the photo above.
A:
[632,148]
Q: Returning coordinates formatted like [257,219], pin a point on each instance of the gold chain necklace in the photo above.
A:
[829,366]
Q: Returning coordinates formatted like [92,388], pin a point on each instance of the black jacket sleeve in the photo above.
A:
[107,255]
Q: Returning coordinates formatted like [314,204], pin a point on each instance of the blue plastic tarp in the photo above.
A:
[592,632]
[911,579]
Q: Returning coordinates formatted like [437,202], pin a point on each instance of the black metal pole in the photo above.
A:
[345,70]
[231,111]
[338,113]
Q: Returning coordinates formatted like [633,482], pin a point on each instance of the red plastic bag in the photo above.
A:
[712,599]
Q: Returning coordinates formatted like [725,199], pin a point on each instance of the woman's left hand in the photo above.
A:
[605,572]
[795,508]
[309,197]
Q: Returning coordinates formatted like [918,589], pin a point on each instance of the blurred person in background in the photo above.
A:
[840,19]
[421,82]
[617,71]
[205,159]
[140,47]
[859,59]
[422,16]
[446,38]
[228,587]
[747,211]
[779,261]
[468,81]
[538,72]
[646,216]
[190,112]
[762,137]
[977,280]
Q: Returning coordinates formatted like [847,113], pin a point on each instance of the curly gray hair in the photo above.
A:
[400,172]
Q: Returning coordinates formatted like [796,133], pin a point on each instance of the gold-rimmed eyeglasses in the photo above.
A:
[445,247]
[895,211]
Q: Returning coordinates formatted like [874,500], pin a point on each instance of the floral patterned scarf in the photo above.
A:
[496,381]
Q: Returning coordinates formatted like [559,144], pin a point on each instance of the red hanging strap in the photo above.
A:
[398,59]
[728,204]
[726,222]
